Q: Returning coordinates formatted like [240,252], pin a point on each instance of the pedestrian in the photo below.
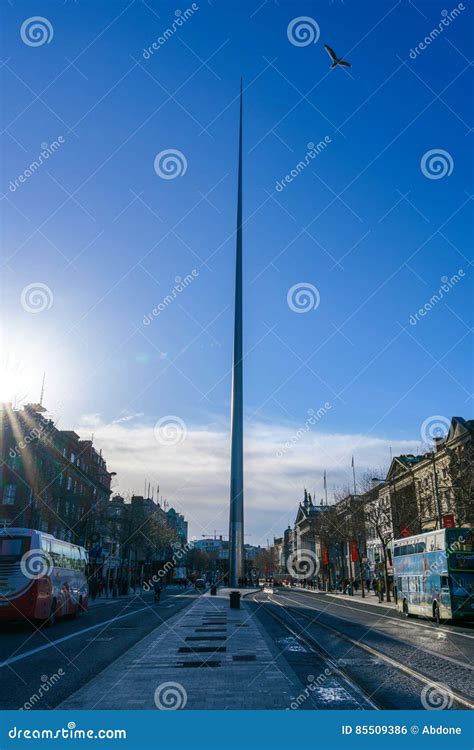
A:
[93,588]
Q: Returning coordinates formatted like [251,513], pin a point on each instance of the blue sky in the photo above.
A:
[362,224]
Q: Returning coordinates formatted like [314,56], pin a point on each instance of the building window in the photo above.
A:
[69,483]
[9,494]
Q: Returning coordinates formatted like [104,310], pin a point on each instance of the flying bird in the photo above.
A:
[335,60]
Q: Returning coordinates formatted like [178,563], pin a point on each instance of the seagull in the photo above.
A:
[335,60]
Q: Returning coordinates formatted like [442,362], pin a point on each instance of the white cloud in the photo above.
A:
[193,475]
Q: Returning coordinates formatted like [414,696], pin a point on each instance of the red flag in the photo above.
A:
[354,551]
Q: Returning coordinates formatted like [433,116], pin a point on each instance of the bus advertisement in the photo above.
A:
[41,578]
[434,574]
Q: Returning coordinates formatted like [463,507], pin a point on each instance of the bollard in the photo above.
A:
[213,590]
[234,597]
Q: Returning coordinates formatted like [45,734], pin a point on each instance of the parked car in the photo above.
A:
[200,583]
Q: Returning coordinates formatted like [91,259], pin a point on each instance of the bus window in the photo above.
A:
[462,584]
[430,543]
[14,547]
[46,545]
[439,540]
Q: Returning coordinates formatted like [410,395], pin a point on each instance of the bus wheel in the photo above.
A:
[436,613]
[405,608]
[52,615]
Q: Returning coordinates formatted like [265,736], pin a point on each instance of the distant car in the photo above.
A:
[268,589]
[200,583]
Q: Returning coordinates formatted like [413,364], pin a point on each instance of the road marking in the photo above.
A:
[36,650]
[398,622]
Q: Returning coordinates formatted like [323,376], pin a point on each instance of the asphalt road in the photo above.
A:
[441,654]
[74,651]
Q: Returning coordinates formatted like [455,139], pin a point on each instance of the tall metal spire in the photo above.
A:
[42,390]
[236,516]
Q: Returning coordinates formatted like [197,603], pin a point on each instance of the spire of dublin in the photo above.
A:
[236,515]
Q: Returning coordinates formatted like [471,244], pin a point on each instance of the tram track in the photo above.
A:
[316,648]
[461,701]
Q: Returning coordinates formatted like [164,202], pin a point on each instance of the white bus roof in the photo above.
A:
[421,535]
[29,532]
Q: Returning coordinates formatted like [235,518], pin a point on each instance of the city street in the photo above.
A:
[287,649]
[80,647]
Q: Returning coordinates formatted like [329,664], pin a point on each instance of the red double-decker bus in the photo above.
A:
[41,577]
